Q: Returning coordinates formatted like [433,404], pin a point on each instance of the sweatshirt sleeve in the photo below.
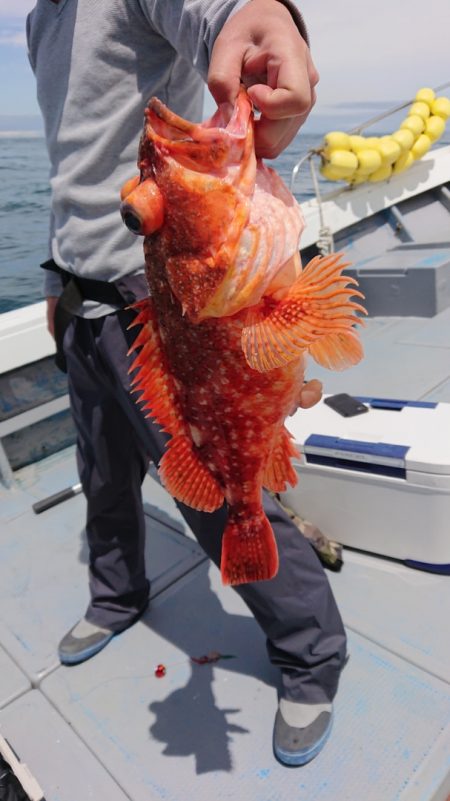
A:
[27,34]
[191,26]
[52,284]
[52,281]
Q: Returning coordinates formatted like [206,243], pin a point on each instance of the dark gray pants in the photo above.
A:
[296,609]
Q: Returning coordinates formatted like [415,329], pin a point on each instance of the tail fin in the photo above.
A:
[249,550]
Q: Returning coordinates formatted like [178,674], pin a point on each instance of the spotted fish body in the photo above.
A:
[229,321]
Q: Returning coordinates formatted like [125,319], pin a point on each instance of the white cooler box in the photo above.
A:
[379,481]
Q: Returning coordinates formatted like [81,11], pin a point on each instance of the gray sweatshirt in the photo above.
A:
[97,62]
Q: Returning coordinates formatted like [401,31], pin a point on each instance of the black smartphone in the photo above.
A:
[346,405]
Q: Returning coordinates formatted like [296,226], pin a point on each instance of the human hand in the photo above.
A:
[311,394]
[261,46]
[51,306]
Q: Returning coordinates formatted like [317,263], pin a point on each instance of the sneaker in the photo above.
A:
[83,641]
[296,746]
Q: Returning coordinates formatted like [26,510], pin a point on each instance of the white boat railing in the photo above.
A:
[344,207]
[24,337]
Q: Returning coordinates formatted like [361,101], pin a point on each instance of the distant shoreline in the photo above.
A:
[21,134]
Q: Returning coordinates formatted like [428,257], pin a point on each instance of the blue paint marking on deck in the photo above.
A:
[359,264]
[264,773]
[102,726]
[433,259]
[131,758]
[415,644]
[24,644]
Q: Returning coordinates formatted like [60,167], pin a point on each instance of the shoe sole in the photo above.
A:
[303,757]
[82,656]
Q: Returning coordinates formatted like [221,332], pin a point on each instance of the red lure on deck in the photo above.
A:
[229,322]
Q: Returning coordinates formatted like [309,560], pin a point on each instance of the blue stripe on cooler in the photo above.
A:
[357,450]
[391,404]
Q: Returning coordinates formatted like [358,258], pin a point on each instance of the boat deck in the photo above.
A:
[404,357]
[109,730]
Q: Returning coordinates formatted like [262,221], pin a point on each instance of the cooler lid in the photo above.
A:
[393,437]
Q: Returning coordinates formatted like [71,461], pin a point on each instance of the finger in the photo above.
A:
[52,301]
[314,76]
[273,136]
[51,326]
[287,88]
[310,394]
[224,74]
[283,101]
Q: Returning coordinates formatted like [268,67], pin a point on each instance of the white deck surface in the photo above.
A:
[406,358]
[109,730]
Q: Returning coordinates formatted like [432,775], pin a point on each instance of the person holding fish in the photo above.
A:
[96,66]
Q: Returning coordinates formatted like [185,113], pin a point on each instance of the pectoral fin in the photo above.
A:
[337,351]
[316,315]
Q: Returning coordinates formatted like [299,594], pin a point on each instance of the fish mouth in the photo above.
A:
[212,144]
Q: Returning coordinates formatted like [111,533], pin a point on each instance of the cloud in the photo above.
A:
[12,31]
[365,104]
[13,37]
[18,8]
[377,52]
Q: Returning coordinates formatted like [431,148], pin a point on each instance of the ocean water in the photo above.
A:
[24,213]
[25,203]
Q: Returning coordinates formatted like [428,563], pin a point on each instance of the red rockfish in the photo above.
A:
[230,319]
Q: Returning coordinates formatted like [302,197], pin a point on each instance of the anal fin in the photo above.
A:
[186,477]
[279,470]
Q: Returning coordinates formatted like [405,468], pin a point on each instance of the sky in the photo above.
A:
[370,56]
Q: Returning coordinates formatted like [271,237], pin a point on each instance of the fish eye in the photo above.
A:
[131,220]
